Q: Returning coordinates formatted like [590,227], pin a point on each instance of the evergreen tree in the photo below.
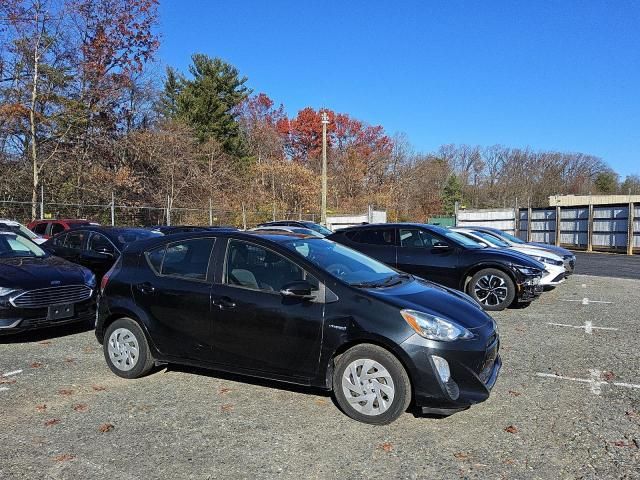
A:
[168,103]
[209,100]
[451,194]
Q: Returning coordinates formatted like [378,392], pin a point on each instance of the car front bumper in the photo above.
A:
[474,366]
[16,320]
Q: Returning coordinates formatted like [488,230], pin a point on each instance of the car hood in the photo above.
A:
[30,273]
[541,252]
[552,248]
[429,297]
[507,256]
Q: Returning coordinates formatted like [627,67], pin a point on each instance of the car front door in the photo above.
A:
[255,327]
[174,288]
[427,255]
[69,246]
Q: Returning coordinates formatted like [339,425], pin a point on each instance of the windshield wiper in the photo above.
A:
[387,282]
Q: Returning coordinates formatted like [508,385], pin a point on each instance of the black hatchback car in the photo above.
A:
[95,247]
[493,277]
[39,290]
[298,309]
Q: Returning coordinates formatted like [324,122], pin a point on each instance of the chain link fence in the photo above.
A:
[129,215]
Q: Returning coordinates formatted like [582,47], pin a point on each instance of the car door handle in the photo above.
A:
[145,288]
[224,303]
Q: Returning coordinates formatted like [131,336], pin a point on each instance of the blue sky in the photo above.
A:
[560,75]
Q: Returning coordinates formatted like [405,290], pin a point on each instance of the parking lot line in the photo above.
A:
[2,389]
[584,301]
[595,382]
[8,374]
[588,326]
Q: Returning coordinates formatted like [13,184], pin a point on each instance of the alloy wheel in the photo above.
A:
[491,290]
[123,349]
[368,387]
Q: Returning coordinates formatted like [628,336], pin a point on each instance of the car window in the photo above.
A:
[59,240]
[75,240]
[40,228]
[155,257]
[188,259]
[253,266]
[56,228]
[414,237]
[100,243]
[12,245]
[384,237]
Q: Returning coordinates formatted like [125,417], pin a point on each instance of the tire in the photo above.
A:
[498,286]
[126,349]
[391,375]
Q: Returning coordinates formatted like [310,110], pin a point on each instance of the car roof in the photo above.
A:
[371,226]
[13,223]
[65,220]
[273,236]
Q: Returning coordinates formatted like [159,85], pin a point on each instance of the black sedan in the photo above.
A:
[275,306]
[40,290]
[493,277]
[316,227]
[95,247]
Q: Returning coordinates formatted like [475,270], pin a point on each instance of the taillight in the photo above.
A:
[107,276]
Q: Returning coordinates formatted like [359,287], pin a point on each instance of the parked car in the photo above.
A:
[276,306]
[567,256]
[48,228]
[554,271]
[494,278]
[96,248]
[17,227]
[40,290]
[297,230]
[324,231]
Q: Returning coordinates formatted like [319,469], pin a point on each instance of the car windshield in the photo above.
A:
[342,262]
[509,237]
[491,240]
[12,245]
[318,228]
[461,239]
[26,232]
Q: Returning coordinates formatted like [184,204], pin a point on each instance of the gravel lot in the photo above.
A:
[66,416]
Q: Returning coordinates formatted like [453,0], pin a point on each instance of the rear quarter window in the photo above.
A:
[154,258]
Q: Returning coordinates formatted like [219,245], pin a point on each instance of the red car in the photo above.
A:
[49,228]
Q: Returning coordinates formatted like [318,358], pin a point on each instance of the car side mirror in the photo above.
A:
[300,289]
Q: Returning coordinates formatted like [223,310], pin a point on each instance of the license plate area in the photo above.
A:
[60,312]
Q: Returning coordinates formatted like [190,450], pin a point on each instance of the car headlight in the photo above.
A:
[435,328]
[528,271]
[547,260]
[4,291]
[90,279]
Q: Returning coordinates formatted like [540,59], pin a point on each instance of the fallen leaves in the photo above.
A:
[608,376]
[88,349]
[513,393]
[227,408]
[42,407]
[37,365]
[52,422]
[7,381]
[106,427]
[622,443]
[321,401]
[69,360]
[98,388]
[44,342]
[461,455]
[65,392]
[386,446]
[81,407]
[65,457]
[223,391]
[511,429]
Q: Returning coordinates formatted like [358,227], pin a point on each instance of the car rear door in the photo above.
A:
[427,255]
[174,288]
[70,245]
[99,255]
[255,328]
[379,243]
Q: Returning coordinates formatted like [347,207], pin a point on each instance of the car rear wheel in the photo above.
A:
[371,385]
[126,349]
[492,288]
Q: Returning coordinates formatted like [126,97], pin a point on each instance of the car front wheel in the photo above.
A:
[492,288]
[126,349]
[371,385]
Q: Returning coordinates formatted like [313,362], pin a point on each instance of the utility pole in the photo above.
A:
[325,122]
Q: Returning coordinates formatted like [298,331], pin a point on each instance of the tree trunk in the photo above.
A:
[32,125]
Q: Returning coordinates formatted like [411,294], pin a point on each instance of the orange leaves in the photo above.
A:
[105,427]
[52,422]
[511,429]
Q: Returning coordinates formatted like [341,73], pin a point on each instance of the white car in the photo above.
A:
[554,273]
[17,227]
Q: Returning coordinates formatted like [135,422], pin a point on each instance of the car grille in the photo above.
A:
[46,297]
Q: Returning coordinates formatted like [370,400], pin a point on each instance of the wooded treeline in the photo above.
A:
[84,113]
